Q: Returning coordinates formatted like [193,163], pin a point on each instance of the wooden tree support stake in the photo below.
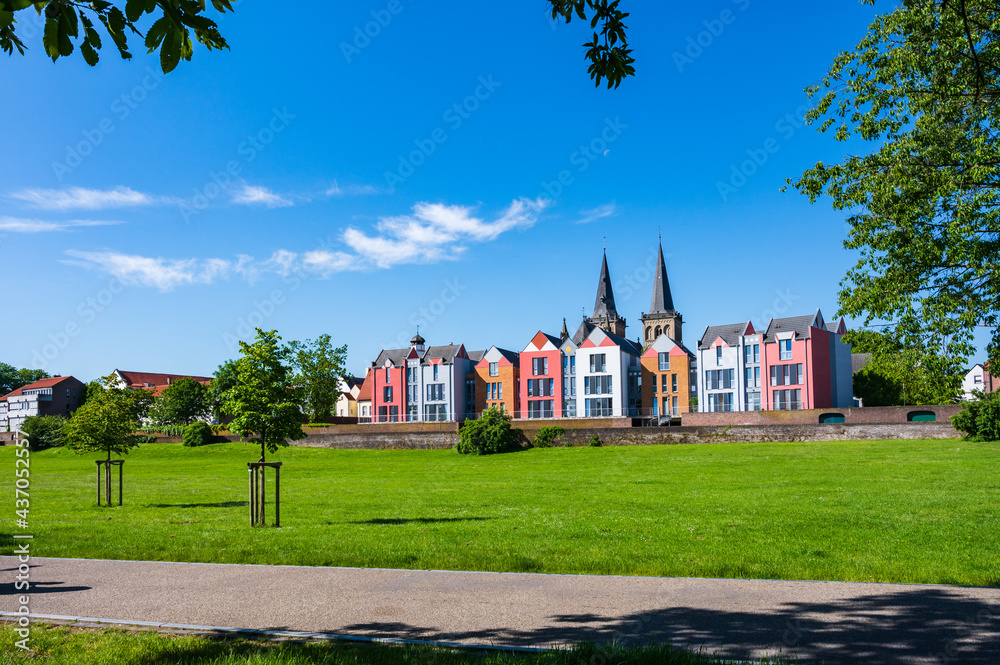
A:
[105,465]
[258,495]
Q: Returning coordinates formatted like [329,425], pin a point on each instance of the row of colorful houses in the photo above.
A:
[793,363]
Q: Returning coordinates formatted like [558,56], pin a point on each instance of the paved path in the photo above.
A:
[828,622]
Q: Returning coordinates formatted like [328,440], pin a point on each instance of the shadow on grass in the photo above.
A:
[224,504]
[422,520]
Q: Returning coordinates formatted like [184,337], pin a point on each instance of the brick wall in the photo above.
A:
[872,415]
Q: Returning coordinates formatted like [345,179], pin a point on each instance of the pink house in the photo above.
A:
[542,378]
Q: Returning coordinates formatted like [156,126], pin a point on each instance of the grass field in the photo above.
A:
[887,511]
[117,647]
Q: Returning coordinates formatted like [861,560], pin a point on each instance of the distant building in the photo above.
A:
[795,363]
[347,402]
[542,378]
[608,376]
[605,314]
[365,398]
[496,381]
[57,396]
[669,378]
[154,381]
[662,318]
[978,379]
[420,384]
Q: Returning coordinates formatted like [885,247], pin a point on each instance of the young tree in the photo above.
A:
[923,87]
[491,433]
[12,378]
[67,20]
[263,402]
[320,374]
[181,403]
[44,432]
[109,419]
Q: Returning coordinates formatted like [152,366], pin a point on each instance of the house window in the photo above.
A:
[664,362]
[718,355]
[753,401]
[720,402]
[598,362]
[539,366]
[435,392]
[540,408]
[436,372]
[569,364]
[787,375]
[787,400]
[411,374]
[756,353]
[663,383]
[653,384]
[784,349]
[435,412]
[673,383]
[748,354]
[387,394]
[675,411]
[494,369]
[499,391]
[597,385]
[600,407]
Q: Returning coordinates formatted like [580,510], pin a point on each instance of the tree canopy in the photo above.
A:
[107,422]
[262,401]
[320,374]
[69,23]
[181,403]
[899,375]
[12,378]
[923,86]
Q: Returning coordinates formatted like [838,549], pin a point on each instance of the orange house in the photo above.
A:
[496,381]
[669,372]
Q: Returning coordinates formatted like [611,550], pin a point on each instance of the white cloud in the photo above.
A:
[163,274]
[256,195]
[80,198]
[600,212]
[434,232]
[352,190]
[19,225]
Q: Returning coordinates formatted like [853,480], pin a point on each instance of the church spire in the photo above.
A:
[662,301]
[604,306]
[564,335]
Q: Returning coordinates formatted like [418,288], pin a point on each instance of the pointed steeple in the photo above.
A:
[662,301]
[604,306]
[564,335]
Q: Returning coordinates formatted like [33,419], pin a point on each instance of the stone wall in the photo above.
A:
[872,415]
[381,440]
[8,438]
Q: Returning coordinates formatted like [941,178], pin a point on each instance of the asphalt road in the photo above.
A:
[831,622]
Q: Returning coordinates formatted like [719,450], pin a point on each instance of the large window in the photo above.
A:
[784,349]
[720,402]
[436,372]
[753,401]
[663,383]
[751,353]
[434,412]
[569,364]
[494,369]
[787,375]
[599,407]
[719,379]
[673,383]
[435,392]
[387,394]
[541,387]
[598,362]
[539,366]
[664,362]
[787,400]
[718,355]
[541,408]
[597,385]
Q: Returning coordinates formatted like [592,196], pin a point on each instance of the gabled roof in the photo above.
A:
[730,334]
[396,356]
[664,344]
[366,389]
[353,381]
[152,379]
[513,357]
[586,327]
[800,325]
[604,305]
[447,354]
[476,356]
[663,301]
[43,383]
[626,345]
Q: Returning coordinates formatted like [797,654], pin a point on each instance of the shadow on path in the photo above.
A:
[224,504]
[8,589]
[906,627]
[422,520]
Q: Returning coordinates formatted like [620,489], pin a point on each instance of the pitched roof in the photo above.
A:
[512,356]
[366,389]
[397,356]
[43,383]
[476,356]
[445,353]
[798,324]
[730,334]
[626,344]
[586,327]
[604,305]
[662,301]
[151,379]
[354,381]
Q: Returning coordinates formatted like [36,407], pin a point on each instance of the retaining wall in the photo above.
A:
[870,415]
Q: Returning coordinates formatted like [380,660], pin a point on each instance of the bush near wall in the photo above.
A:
[979,419]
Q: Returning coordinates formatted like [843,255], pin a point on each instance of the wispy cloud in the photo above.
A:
[600,212]
[433,232]
[256,195]
[19,225]
[352,190]
[80,198]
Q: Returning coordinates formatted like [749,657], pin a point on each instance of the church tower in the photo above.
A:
[605,315]
[662,318]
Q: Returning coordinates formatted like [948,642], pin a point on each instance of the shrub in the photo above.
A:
[197,434]
[490,434]
[595,441]
[547,436]
[165,430]
[44,432]
[980,418]
[144,438]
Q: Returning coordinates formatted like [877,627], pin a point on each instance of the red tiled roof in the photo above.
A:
[149,379]
[366,389]
[44,383]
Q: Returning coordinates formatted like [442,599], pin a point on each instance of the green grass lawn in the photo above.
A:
[886,511]
[117,647]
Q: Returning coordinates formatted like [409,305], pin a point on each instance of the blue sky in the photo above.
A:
[147,222]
